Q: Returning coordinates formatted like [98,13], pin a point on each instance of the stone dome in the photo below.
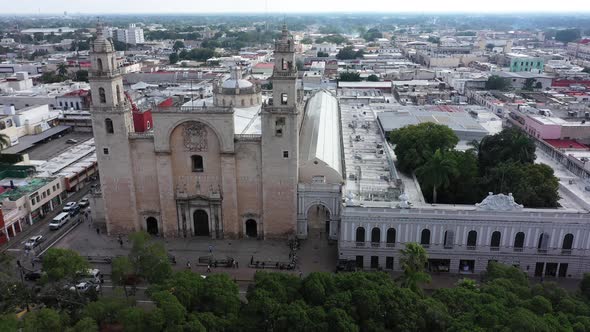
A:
[233,84]
[101,44]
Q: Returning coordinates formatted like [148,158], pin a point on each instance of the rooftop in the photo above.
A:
[22,187]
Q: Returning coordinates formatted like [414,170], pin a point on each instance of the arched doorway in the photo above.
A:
[152,225]
[201,223]
[318,221]
[251,228]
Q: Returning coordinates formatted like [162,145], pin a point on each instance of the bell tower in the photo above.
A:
[112,122]
[280,144]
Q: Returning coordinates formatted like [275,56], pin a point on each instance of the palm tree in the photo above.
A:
[4,141]
[437,172]
[413,261]
[62,69]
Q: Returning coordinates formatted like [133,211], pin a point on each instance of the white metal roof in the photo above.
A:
[320,149]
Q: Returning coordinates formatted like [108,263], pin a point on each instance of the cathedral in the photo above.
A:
[227,170]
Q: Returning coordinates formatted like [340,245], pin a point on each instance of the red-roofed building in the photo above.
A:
[566,144]
[263,68]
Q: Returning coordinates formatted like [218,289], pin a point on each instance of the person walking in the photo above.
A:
[97,231]
[237,265]
[251,260]
[208,268]
[120,241]
[210,249]
[188,265]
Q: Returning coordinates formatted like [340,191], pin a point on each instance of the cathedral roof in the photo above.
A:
[320,138]
[235,81]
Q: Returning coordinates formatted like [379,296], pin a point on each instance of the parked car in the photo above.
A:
[33,275]
[33,242]
[86,286]
[59,220]
[74,211]
[69,206]
[84,202]
[72,141]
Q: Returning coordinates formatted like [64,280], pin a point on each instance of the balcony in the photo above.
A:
[517,249]
[541,251]
[375,244]
[390,245]
[471,247]
[360,244]
[494,248]
[566,251]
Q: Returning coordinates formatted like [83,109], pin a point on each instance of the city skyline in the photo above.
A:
[305,6]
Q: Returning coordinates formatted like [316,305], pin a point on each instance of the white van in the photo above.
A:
[92,275]
[59,220]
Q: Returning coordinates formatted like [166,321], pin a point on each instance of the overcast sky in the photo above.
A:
[288,6]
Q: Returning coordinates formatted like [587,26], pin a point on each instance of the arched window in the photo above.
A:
[284,98]
[425,238]
[471,239]
[449,239]
[495,242]
[543,242]
[391,237]
[102,95]
[519,241]
[113,64]
[243,102]
[360,236]
[118,95]
[375,237]
[568,242]
[108,124]
[99,64]
[197,163]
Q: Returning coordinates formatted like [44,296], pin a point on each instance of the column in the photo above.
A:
[229,205]
[167,195]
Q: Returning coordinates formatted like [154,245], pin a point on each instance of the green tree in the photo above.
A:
[586,70]
[85,324]
[529,84]
[81,76]
[43,320]
[437,172]
[173,58]
[38,36]
[348,53]
[322,54]
[62,69]
[121,270]
[490,46]
[372,34]
[349,77]
[413,261]
[8,323]
[567,35]
[373,78]
[307,41]
[434,40]
[60,264]
[415,144]
[149,258]
[174,312]
[585,286]
[496,82]
[179,44]
[510,145]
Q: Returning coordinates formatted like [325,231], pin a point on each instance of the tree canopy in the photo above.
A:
[349,76]
[567,35]
[496,82]
[348,53]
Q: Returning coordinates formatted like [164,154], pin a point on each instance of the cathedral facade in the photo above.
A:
[216,171]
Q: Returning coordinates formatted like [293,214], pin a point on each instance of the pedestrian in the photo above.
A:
[300,274]
[251,260]
[210,249]
[97,231]
[237,265]
[188,265]
[33,262]
[208,268]
[121,241]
